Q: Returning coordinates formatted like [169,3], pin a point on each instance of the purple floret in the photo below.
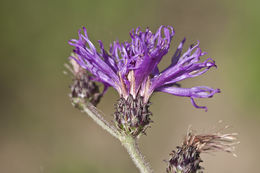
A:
[132,67]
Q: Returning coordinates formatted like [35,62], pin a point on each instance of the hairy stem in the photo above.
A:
[94,113]
[132,148]
[128,142]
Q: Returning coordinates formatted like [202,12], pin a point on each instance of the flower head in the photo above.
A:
[82,88]
[132,67]
[186,158]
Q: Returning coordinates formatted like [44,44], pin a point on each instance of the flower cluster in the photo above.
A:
[132,69]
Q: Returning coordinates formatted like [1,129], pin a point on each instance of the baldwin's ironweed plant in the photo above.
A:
[131,68]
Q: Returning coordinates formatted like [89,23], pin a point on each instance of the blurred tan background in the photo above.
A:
[40,132]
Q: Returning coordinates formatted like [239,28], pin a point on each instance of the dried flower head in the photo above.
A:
[186,159]
[83,87]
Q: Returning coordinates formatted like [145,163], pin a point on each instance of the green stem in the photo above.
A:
[94,113]
[128,142]
[132,148]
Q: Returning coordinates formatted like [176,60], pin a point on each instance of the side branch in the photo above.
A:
[95,114]
[127,141]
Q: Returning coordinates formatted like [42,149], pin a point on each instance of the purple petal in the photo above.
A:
[195,92]
[107,58]
[87,56]
[197,106]
[178,52]
[149,49]
[186,66]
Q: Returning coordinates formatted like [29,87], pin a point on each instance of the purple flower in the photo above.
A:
[132,67]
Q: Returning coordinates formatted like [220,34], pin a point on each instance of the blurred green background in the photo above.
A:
[41,132]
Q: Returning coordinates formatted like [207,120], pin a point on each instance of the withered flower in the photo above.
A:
[186,158]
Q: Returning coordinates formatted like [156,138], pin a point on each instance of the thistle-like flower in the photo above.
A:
[132,69]
[186,158]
